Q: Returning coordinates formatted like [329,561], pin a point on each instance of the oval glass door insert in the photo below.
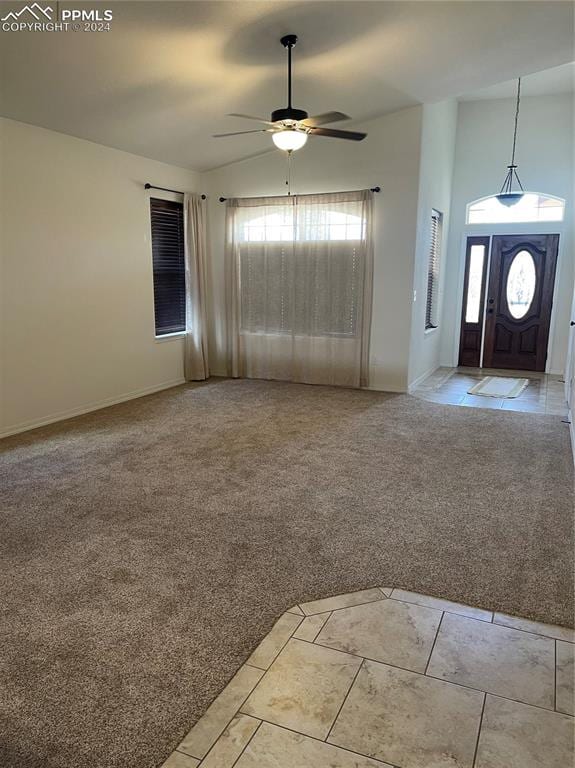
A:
[521,284]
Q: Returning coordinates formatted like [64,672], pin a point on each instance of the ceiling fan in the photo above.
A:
[289,126]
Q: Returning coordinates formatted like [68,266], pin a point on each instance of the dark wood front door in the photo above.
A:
[519,300]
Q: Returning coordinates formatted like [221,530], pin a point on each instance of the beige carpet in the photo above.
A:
[145,549]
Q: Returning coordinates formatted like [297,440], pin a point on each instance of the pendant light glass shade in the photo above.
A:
[508,196]
[289,140]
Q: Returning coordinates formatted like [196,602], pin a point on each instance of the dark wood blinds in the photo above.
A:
[433,272]
[168,260]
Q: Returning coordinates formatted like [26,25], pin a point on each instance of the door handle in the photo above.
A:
[572,323]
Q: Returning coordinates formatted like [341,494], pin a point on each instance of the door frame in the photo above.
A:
[522,228]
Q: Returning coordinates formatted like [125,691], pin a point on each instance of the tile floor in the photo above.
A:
[544,393]
[386,678]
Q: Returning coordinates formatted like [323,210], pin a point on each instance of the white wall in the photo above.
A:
[545,159]
[77,293]
[389,157]
[436,171]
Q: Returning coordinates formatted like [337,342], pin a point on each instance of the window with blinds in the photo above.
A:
[432,300]
[167,219]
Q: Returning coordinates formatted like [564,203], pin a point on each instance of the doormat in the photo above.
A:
[498,386]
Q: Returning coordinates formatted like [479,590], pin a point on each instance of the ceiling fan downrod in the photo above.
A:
[289,112]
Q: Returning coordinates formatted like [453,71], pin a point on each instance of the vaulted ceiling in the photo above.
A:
[162,81]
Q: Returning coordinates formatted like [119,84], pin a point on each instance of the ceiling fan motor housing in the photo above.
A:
[289,113]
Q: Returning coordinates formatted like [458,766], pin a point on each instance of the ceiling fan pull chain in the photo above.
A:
[288,180]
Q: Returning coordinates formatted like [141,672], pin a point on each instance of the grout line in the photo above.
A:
[301,618]
[246,697]
[321,613]
[530,631]
[430,677]
[433,644]
[343,607]
[555,677]
[186,754]
[320,630]
[500,696]
[254,666]
[479,730]
[446,610]
[329,613]
[526,704]
[321,741]
[248,742]
[378,661]
[344,700]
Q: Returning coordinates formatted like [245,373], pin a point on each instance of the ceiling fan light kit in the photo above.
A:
[289,140]
[290,127]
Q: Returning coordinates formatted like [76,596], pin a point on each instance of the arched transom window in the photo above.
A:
[533,206]
[285,225]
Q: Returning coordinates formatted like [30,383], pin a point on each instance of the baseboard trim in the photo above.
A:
[420,379]
[388,388]
[25,426]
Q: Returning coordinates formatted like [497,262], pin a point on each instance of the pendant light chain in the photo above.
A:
[507,196]
[516,122]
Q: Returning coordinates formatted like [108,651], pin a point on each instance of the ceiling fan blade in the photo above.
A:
[250,117]
[326,117]
[335,134]
[239,133]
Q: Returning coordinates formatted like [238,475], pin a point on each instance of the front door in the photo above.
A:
[507,300]
[519,301]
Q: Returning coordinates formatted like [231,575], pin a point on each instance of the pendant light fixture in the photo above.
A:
[507,196]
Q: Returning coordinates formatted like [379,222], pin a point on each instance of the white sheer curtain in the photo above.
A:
[299,287]
[196,366]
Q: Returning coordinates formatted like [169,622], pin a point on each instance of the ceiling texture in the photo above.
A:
[162,81]
[548,82]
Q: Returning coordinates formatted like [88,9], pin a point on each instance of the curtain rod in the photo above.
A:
[164,189]
[372,189]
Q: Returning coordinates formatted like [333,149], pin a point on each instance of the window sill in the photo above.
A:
[170,336]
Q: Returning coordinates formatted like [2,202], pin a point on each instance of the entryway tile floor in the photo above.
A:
[386,678]
[544,393]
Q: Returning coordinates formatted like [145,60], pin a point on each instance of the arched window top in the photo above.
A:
[533,206]
[321,224]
